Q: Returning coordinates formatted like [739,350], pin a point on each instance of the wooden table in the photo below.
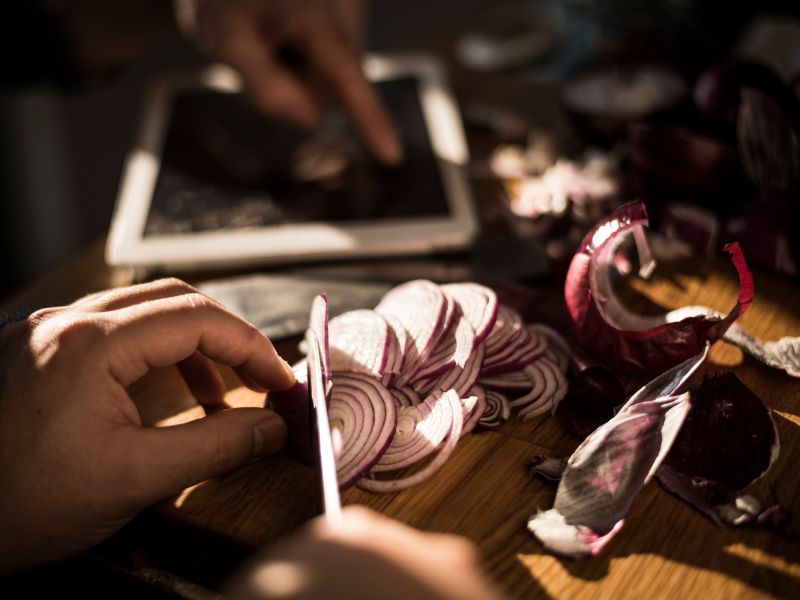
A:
[666,549]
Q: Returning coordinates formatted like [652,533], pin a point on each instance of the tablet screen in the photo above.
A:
[226,166]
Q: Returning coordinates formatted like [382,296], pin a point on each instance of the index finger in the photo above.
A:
[166,331]
[341,67]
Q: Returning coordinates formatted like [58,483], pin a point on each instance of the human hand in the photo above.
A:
[75,462]
[366,556]
[322,39]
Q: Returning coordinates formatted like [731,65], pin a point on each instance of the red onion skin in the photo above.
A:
[645,351]
[728,435]
[293,407]
[594,393]
[608,470]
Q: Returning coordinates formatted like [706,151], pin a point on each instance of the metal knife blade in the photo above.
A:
[317,396]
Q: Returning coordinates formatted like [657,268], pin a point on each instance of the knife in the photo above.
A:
[318,385]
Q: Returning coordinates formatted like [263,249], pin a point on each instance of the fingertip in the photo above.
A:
[391,151]
[291,379]
[285,99]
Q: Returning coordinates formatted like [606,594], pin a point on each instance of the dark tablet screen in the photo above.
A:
[227,166]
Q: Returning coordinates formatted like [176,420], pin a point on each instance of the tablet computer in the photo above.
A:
[213,182]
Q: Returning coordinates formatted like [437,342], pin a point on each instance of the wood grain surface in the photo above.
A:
[484,493]
[666,549]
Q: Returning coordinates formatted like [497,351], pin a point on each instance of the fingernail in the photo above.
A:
[269,436]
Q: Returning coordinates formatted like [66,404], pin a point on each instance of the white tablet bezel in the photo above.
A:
[127,246]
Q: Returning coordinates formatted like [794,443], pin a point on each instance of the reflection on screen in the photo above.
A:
[227,166]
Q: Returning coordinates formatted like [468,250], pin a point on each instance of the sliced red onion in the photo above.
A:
[419,431]
[728,441]
[607,471]
[404,396]
[363,412]
[619,338]
[507,327]
[515,382]
[459,378]
[425,337]
[523,349]
[421,308]
[396,360]
[498,410]
[559,346]
[551,385]
[451,402]
[474,406]
[361,341]
[478,305]
[455,346]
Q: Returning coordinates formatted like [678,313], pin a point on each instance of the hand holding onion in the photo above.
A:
[367,556]
[75,462]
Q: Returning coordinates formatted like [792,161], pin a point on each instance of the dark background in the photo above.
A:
[62,144]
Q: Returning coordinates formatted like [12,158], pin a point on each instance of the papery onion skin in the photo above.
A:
[728,437]
[605,474]
[657,347]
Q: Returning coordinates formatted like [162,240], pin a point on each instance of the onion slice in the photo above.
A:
[607,471]
[497,411]
[451,401]
[420,307]
[478,305]
[420,430]
[620,339]
[363,412]
[361,341]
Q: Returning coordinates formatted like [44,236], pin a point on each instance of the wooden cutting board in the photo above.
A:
[666,549]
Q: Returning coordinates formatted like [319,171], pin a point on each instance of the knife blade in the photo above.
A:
[318,407]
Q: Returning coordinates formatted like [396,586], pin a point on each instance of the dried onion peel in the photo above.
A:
[623,340]
[605,474]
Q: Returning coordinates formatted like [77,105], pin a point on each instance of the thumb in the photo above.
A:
[170,459]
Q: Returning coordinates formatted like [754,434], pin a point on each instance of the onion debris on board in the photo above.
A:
[625,341]
[783,354]
[728,441]
[430,364]
[605,474]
